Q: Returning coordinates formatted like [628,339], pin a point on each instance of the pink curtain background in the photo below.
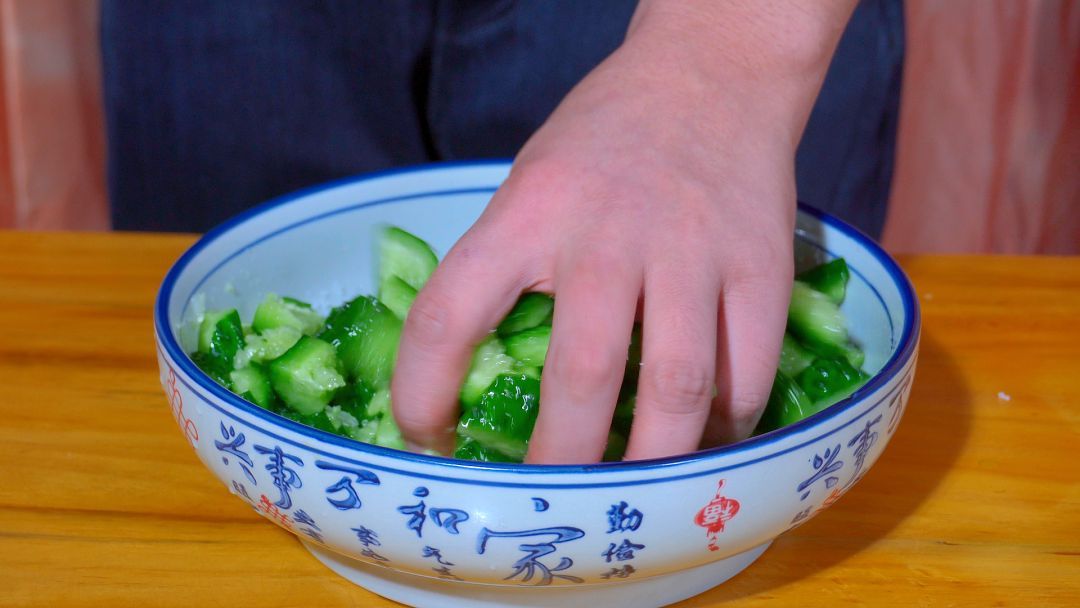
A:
[52,153]
[988,157]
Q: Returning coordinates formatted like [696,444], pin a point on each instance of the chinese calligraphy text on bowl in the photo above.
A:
[429,531]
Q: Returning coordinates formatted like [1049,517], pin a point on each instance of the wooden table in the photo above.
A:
[976,501]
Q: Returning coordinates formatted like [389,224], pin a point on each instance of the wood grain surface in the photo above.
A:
[976,502]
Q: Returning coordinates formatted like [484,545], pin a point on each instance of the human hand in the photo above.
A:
[659,182]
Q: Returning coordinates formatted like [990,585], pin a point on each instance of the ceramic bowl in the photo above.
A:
[432,531]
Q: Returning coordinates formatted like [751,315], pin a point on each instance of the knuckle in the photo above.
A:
[733,417]
[430,320]
[766,264]
[745,406]
[678,386]
[538,171]
[534,185]
[583,369]
[421,425]
[600,265]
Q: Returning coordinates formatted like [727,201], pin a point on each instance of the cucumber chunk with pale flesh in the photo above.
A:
[275,311]
[307,375]
[365,334]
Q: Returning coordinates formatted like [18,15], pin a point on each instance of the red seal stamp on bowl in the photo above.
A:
[715,515]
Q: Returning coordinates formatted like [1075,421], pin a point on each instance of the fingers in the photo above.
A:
[677,372]
[469,293]
[594,314]
[752,319]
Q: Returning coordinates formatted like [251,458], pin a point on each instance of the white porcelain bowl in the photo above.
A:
[432,531]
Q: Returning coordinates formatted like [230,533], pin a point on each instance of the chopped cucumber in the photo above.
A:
[788,403]
[633,368]
[355,399]
[365,334]
[339,381]
[854,355]
[388,435]
[213,368]
[794,357]
[503,419]
[380,404]
[397,295]
[221,331]
[849,351]
[467,449]
[616,447]
[624,416]
[275,312]
[253,384]
[344,422]
[221,336]
[814,318]
[529,346]
[830,278]
[318,420]
[307,375]
[488,362]
[829,380]
[366,431]
[270,344]
[405,256]
[531,310]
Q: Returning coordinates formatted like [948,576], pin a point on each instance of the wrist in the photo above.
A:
[768,58]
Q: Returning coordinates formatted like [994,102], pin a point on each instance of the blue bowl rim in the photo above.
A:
[895,364]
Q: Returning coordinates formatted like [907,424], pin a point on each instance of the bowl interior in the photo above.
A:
[316,245]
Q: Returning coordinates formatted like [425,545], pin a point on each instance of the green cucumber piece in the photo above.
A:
[788,403]
[365,334]
[365,431]
[854,355]
[616,447]
[270,344]
[632,372]
[213,368]
[504,418]
[220,330]
[274,312]
[531,310]
[253,383]
[380,405]
[830,278]
[354,399]
[318,420]
[387,434]
[623,417]
[397,295]
[307,375]
[848,350]
[344,422]
[529,346]
[488,362]
[829,380]
[794,357]
[221,336]
[405,256]
[814,318]
[467,449]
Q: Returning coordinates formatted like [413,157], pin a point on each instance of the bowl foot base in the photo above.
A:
[424,592]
